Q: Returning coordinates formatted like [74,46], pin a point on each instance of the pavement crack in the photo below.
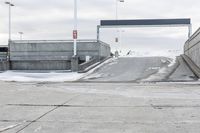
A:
[36,105]
[84,106]
[100,106]
[174,106]
[56,107]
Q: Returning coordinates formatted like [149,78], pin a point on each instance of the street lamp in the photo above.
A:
[20,35]
[9,5]
[75,32]
[9,38]
[120,39]
[117,7]
[117,39]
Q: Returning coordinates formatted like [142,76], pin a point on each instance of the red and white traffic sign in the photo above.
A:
[116,39]
[75,34]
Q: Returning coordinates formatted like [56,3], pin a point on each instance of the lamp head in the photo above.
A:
[7,2]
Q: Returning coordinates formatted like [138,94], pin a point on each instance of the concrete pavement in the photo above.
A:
[99,107]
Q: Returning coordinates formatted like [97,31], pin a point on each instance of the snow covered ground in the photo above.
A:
[128,69]
[115,69]
[46,76]
[166,53]
[23,76]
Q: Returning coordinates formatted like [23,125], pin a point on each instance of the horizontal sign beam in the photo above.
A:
[145,22]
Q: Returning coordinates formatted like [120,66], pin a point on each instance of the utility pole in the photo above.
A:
[189,31]
[116,13]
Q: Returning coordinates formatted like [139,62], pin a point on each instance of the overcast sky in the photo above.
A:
[53,19]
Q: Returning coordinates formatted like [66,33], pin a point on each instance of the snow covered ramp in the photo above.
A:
[128,69]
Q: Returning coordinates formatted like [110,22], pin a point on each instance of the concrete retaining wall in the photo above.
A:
[41,65]
[4,65]
[85,65]
[3,53]
[53,55]
[3,56]
[192,48]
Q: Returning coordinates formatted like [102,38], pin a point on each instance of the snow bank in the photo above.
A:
[166,53]
[51,76]
[39,77]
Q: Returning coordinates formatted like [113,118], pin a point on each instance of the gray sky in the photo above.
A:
[53,19]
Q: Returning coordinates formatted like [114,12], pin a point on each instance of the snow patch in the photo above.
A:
[51,76]
[163,72]
[165,53]
[92,75]
[153,68]
[39,77]
[9,127]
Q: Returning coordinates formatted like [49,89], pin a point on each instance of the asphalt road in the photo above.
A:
[99,108]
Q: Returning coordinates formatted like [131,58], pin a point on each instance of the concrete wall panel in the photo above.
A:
[53,55]
[4,65]
[41,65]
[192,48]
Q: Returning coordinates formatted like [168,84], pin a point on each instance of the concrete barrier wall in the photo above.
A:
[3,56]
[192,48]
[53,55]
[105,51]
[4,65]
[41,65]
[56,50]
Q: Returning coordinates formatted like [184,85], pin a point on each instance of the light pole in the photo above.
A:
[75,32]
[120,39]
[117,7]
[20,35]
[117,39]
[75,60]
[9,5]
[9,38]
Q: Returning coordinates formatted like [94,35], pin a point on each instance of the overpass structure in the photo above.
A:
[191,48]
[183,22]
